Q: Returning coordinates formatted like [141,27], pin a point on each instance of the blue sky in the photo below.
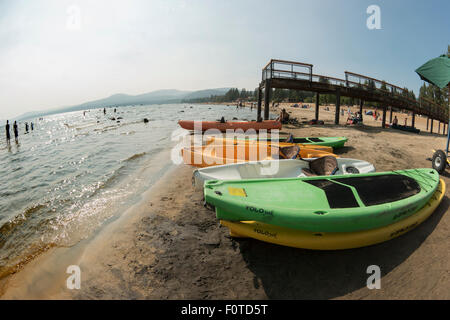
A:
[139,46]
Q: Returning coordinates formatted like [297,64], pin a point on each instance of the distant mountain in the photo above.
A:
[154,97]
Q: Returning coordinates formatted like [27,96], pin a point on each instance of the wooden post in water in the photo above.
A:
[383,121]
[258,112]
[317,106]
[338,106]
[266,99]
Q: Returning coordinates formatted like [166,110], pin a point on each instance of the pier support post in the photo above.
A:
[390,115]
[267,90]
[258,112]
[383,121]
[439,127]
[431,126]
[413,119]
[361,103]
[317,106]
[428,118]
[338,106]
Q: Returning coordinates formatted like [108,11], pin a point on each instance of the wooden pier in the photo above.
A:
[292,75]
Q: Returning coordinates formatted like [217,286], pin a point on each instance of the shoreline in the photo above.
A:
[168,246]
[305,114]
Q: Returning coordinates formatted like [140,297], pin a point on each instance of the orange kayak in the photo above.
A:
[219,140]
[218,154]
[223,126]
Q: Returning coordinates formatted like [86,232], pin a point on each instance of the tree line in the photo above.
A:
[234,94]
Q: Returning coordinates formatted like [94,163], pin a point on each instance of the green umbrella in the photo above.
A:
[436,71]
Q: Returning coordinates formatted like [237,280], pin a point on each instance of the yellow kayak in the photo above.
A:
[218,140]
[218,154]
[333,240]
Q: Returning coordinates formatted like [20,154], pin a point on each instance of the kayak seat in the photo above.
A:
[290,152]
[324,166]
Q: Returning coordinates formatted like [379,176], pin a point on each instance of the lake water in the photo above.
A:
[72,173]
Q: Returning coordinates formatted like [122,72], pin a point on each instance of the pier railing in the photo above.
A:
[288,70]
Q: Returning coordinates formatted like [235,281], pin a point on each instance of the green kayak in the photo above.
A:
[334,142]
[343,203]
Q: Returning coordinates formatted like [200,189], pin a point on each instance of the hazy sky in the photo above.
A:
[58,53]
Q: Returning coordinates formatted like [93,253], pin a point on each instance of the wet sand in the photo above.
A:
[170,246]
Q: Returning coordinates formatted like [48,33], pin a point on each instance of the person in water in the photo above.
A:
[104,110]
[8,135]
[26,127]
[32,126]
[16,131]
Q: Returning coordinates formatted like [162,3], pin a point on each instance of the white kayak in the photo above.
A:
[267,169]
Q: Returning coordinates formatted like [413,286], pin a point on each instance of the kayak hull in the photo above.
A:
[271,169]
[332,142]
[219,154]
[223,127]
[219,140]
[337,240]
[343,203]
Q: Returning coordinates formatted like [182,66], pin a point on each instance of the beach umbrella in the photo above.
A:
[437,72]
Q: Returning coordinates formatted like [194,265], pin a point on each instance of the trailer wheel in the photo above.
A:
[439,161]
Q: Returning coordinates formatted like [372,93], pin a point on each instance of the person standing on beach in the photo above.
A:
[16,131]
[104,110]
[395,122]
[8,135]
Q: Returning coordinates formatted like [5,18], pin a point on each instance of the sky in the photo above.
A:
[56,53]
